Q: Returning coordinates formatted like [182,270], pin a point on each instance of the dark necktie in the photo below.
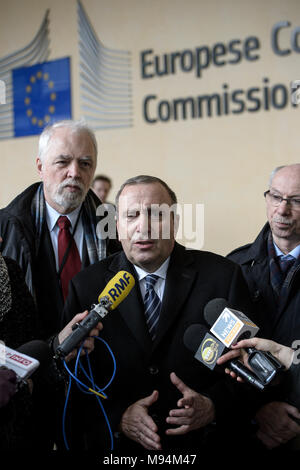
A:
[152,304]
[285,265]
[73,263]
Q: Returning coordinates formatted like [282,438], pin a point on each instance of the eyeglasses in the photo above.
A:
[276,200]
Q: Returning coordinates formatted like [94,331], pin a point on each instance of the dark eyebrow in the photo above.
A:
[279,192]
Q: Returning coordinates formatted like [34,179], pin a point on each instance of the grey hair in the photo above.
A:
[274,173]
[74,126]
[145,179]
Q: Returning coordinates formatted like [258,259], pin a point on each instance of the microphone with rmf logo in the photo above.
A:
[114,293]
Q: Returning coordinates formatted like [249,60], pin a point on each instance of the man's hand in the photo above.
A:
[88,343]
[194,410]
[276,425]
[8,386]
[139,426]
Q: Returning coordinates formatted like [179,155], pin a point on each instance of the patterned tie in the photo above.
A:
[286,264]
[152,304]
[73,263]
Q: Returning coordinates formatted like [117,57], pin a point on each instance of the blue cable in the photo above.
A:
[85,388]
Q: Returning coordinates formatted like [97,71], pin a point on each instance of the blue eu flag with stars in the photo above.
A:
[42,95]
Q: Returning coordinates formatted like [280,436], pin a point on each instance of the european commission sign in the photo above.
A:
[265,95]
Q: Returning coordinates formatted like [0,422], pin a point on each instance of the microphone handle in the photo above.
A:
[245,374]
[80,332]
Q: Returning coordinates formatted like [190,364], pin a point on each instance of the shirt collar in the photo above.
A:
[52,215]
[160,272]
[295,253]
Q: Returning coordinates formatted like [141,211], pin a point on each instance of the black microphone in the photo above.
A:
[264,364]
[207,349]
[26,359]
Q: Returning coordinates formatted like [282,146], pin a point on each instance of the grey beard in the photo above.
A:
[69,201]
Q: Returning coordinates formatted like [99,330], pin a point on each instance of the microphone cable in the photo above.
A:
[89,390]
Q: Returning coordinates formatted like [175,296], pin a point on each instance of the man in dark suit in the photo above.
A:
[50,253]
[161,397]
[271,267]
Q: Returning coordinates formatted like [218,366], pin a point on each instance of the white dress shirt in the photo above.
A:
[51,217]
[161,272]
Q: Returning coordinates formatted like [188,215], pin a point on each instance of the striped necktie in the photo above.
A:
[152,304]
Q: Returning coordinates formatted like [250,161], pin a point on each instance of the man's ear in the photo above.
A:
[39,165]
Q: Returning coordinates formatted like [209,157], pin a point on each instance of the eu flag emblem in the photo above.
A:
[42,95]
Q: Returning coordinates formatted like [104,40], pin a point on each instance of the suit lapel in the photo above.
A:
[131,308]
[180,278]
[85,257]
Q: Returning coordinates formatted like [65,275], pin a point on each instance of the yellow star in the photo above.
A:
[28,89]
[29,112]
[34,120]
[53,96]
[50,84]
[32,79]
[51,109]
[27,100]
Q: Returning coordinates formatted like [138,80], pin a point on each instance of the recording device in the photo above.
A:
[229,326]
[114,293]
[26,359]
[207,349]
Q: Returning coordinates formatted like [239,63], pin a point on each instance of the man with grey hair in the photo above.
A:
[271,267]
[50,228]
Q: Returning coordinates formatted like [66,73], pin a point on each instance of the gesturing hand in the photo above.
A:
[276,423]
[194,410]
[139,426]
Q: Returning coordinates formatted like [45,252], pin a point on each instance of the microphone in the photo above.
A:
[210,349]
[113,294]
[229,326]
[26,359]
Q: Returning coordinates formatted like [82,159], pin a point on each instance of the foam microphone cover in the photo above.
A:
[213,310]
[193,336]
[39,350]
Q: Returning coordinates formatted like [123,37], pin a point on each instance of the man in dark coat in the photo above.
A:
[271,267]
[29,225]
[161,397]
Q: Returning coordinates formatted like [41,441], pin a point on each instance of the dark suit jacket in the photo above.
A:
[17,228]
[279,318]
[193,278]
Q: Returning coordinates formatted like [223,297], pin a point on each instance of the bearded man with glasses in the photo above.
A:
[271,267]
